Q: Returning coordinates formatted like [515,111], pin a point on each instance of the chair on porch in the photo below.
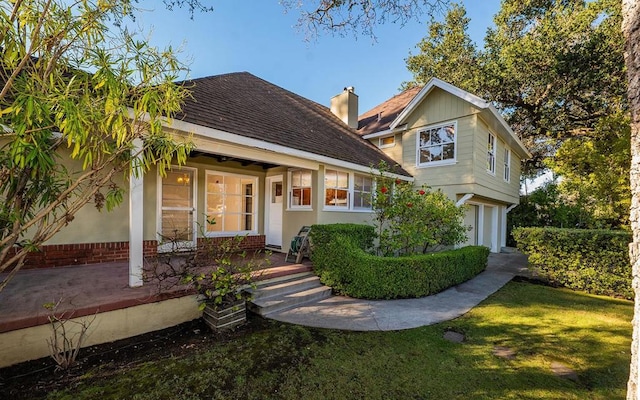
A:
[300,245]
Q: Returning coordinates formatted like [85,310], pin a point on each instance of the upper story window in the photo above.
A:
[300,189]
[336,189]
[437,145]
[347,191]
[231,201]
[507,165]
[491,154]
[387,141]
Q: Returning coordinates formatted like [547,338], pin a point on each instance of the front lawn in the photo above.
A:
[531,326]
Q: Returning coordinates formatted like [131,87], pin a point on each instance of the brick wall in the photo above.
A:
[58,255]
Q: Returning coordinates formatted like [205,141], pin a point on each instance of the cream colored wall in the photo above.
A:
[90,225]
[438,108]
[470,217]
[494,186]
[395,151]
[31,343]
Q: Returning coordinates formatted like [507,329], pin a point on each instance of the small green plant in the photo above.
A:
[67,336]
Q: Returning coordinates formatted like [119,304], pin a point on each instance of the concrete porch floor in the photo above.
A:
[90,289]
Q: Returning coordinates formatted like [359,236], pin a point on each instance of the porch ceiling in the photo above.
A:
[222,159]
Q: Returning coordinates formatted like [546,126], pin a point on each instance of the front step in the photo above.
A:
[286,292]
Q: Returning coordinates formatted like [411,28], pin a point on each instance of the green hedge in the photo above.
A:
[340,260]
[594,261]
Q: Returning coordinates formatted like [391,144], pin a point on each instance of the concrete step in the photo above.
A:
[282,287]
[266,305]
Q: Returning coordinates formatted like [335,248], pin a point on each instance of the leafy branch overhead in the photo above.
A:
[82,104]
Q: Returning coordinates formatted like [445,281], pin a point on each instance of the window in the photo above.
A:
[491,155]
[437,145]
[362,192]
[507,165]
[336,189]
[347,191]
[300,185]
[387,141]
[231,203]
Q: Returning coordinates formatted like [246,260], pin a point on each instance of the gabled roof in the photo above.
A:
[399,107]
[243,104]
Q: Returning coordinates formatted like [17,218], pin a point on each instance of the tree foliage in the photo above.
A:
[447,53]
[75,87]
[414,220]
[357,16]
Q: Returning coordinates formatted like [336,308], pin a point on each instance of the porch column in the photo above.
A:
[494,230]
[503,227]
[136,221]
[480,225]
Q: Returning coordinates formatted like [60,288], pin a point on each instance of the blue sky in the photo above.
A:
[259,37]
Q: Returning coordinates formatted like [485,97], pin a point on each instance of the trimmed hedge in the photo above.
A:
[340,260]
[592,260]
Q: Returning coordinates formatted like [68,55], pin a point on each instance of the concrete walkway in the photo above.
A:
[339,312]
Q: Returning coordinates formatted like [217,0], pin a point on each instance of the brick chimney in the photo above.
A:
[345,106]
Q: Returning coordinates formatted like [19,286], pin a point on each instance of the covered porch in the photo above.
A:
[98,289]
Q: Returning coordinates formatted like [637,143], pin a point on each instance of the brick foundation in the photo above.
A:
[58,255]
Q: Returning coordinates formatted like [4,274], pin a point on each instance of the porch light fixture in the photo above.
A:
[184,179]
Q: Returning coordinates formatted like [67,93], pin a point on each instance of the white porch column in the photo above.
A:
[480,226]
[494,230]
[503,227]
[136,220]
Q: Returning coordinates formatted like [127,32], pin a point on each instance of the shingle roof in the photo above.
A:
[243,104]
[380,117]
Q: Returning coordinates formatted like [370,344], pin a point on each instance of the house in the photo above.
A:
[268,161]
[454,141]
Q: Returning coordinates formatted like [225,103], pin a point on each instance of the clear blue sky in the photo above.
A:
[260,38]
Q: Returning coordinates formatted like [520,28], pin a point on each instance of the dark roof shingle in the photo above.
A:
[380,117]
[243,104]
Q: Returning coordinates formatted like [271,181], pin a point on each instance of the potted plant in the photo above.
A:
[220,272]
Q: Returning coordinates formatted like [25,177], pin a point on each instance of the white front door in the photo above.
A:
[273,214]
[177,209]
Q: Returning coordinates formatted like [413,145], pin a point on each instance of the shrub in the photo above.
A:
[361,235]
[343,264]
[594,261]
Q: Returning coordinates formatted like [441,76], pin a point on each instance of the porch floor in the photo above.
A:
[89,289]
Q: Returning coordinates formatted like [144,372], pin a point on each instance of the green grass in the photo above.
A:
[588,333]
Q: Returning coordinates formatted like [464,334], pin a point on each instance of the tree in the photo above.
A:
[555,68]
[631,31]
[74,89]
[447,53]
[357,16]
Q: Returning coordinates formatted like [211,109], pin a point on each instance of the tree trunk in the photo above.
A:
[631,32]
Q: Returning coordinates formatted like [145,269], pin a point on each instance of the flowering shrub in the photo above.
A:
[414,221]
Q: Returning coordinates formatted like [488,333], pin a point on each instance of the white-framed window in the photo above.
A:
[300,189]
[362,192]
[387,141]
[336,189]
[347,191]
[491,154]
[231,202]
[437,145]
[507,165]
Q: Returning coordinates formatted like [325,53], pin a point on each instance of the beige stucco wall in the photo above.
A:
[31,343]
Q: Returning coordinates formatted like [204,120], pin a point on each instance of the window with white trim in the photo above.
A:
[387,141]
[362,192]
[300,189]
[491,154]
[437,145]
[507,165]
[347,191]
[336,189]
[231,202]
